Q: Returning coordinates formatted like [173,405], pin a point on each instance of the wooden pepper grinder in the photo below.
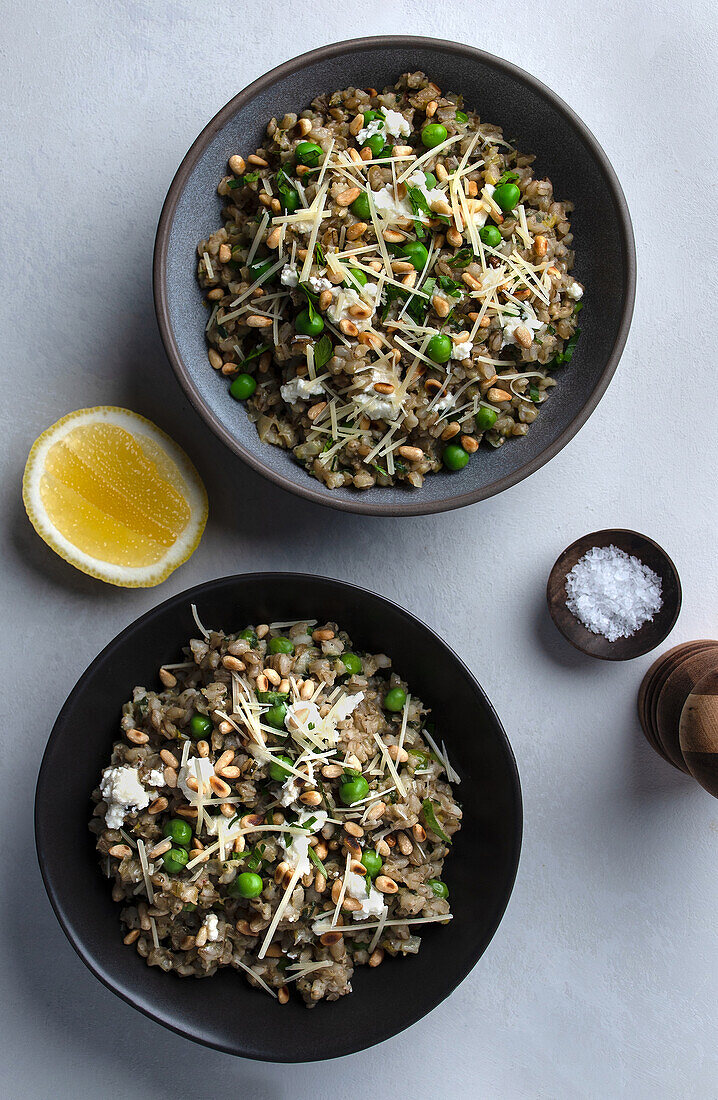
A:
[698,732]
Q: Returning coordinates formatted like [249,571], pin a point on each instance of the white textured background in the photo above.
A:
[601,981]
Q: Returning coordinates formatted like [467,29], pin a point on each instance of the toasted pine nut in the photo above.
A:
[353,829]
[384,387]
[470,281]
[370,339]
[382,848]
[203,748]
[226,758]
[357,867]
[157,806]
[433,385]
[255,159]
[351,905]
[405,845]
[495,395]
[450,430]
[441,306]
[131,936]
[248,820]
[262,683]
[273,238]
[540,245]
[225,728]
[385,884]
[361,311]
[393,236]
[453,237]
[400,755]
[215,361]
[280,871]
[160,849]
[419,832]
[356,230]
[311,798]
[284,686]
[401,267]
[332,771]
[323,635]
[237,165]
[431,109]
[137,737]
[239,845]
[254,320]
[336,890]
[376,957]
[186,811]
[356,125]
[215,295]
[413,454]
[469,444]
[201,937]
[219,786]
[346,198]
[328,939]
[265,199]
[441,206]
[366,153]
[376,811]
[325,299]
[348,328]
[307,689]
[472,189]
[409,279]
[441,172]
[320,883]
[167,678]
[171,777]
[402,151]
[168,757]
[120,851]
[321,849]
[276,206]
[523,294]
[227,809]
[303,126]
[523,336]
[282,993]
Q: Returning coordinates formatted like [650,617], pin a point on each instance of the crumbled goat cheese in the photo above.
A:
[347,705]
[446,401]
[300,389]
[418,180]
[376,406]
[296,853]
[395,123]
[290,791]
[231,832]
[198,765]
[574,290]
[482,213]
[611,593]
[345,299]
[318,284]
[211,924]
[122,790]
[156,778]
[462,350]
[375,126]
[388,206]
[289,275]
[510,324]
[371,905]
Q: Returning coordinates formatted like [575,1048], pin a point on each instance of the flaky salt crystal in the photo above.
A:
[611,593]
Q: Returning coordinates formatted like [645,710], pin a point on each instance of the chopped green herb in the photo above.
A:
[578,307]
[463,257]
[419,205]
[534,394]
[317,861]
[379,469]
[323,351]
[507,177]
[319,253]
[566,355]
[431,821]
[255,353]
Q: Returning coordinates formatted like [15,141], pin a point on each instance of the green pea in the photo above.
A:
[272,697]
[200,725]
[434,134]
[246,885]
[243,387]
[280,644]
[360,207]
[178,830]
[275,716]
[416,253]
[455,457]
[461,116]
[276,771]
[369,116]
[431,180]
[175,860]
[258,268]
[394,699]
[352,663]
[506,196]
[308,152]
[438,888]
[307,325]
[372,861]
[486,418]
[358,275]
[375,143]
[248,635]
[490,235]
[439,348]
[352,790]
[289,200]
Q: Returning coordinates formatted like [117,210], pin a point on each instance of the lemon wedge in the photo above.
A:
[114,496]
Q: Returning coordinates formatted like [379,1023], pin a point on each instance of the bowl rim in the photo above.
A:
[74,937]
[362,503]
[590,539]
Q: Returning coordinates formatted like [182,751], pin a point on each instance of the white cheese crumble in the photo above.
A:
[418,179]
[482,213]
[371,905]
[574,290]
[346,298]
[318,283]
[376,406]
[388,206]
[289,275]
[347,705]
[156,778]
[296,853]
[122,791]
[300,389]
[198,764]
[211,924]
[375,126]
[510,323]
[461,350]
[395,123]
[290,791]
[446,401]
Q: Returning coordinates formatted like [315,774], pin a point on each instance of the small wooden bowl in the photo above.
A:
[650,634]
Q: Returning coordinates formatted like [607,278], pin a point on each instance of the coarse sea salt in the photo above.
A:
[611,593]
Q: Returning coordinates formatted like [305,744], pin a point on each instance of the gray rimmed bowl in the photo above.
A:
[531,114]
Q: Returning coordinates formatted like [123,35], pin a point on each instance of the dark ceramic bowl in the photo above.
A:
[224,1011]
[539,122]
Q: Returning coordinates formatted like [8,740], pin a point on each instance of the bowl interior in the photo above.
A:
[225,1012]
[539,123]
[651,633]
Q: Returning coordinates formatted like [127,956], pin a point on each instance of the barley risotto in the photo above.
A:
[282,805]
[391,286]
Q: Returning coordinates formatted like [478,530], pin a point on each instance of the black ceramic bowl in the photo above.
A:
[539,122]
[224,1011]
